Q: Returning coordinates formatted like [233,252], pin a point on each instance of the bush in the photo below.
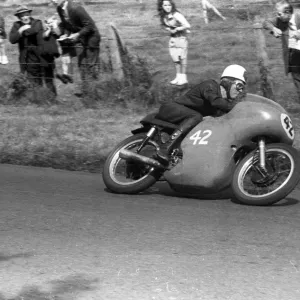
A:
[134,89]
[16,89]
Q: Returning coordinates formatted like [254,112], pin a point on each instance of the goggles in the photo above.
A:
[240,87]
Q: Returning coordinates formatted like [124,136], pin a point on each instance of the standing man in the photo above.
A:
[27,33]
[83,30]
[286,25]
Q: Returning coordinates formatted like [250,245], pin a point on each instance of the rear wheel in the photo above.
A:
[125,177]
[251,186]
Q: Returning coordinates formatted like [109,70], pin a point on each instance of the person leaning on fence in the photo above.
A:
[27,33]
[178,27]
[206,5]
[3,37]
[83,30]
[286,25]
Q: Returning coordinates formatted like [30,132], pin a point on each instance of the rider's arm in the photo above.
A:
[214,97]
[222,104]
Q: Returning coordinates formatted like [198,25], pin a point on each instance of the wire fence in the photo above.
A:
[204,58]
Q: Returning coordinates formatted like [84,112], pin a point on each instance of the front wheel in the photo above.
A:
[250,186]
[125,177]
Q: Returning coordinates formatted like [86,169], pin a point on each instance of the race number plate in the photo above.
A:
[201,137]
[287,125]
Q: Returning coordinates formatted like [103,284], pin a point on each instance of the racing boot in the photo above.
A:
[187,125]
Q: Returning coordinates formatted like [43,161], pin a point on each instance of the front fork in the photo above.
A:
[262,153]
[262,157]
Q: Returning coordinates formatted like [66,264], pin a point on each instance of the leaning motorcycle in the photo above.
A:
[248,151]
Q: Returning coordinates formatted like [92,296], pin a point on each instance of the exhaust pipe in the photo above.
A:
[129,155]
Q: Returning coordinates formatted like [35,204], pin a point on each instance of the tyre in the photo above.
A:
[250,187]
[124,177]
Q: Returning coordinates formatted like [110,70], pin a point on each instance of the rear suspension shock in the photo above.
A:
[148,136]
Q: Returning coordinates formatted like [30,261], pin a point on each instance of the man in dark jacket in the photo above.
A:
[83,30]
[26,33]
[286,25]
[208,98]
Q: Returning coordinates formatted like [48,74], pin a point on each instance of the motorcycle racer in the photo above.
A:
[208,98]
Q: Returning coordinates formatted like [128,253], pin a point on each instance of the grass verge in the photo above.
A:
[61,137]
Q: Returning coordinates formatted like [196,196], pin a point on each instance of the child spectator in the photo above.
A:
[67,50]
[3,36]
[48,53]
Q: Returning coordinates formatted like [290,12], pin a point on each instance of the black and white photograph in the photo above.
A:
[149,150]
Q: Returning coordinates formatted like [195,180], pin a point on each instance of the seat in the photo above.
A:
[152,120]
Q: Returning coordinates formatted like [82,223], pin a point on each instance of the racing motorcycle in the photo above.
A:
[248,151]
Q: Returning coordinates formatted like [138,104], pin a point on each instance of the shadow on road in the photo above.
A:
[67,288]
[5,257]
[287,202]
[163,189]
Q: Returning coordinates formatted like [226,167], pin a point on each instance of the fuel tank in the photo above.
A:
[207,165]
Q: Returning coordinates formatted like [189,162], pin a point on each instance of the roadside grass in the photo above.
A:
[68,139]
[78,134]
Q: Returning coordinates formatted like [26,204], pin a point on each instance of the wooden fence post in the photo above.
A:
[116,59]
[266,83]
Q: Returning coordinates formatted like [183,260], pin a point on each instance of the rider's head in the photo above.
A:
[233,80]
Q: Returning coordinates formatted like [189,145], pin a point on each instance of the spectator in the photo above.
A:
[34,50]
[286,25]
[83,30]
[67,50]
[206,5]
[178,27]
[48,53]
[3,36]
[27,33]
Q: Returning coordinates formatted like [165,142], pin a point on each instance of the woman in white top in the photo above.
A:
[178,27]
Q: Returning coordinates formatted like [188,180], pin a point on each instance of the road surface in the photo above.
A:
[64,237]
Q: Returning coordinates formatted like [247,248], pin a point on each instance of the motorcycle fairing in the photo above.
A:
[207,165]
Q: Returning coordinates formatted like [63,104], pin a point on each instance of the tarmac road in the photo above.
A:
[64,237]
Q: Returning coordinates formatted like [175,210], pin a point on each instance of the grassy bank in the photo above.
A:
[62,137]
[78,134]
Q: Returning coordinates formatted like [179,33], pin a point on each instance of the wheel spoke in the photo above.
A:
[279,169]
[125,174]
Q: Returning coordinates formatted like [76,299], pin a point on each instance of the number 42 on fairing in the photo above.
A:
[200,138]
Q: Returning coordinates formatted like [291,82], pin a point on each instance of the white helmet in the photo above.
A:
[235,71]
